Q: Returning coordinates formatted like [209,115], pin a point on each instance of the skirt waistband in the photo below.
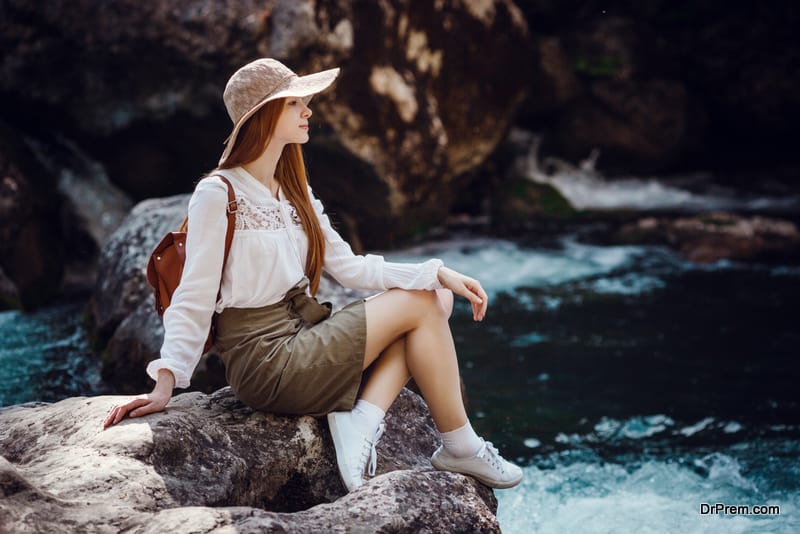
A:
[272,320]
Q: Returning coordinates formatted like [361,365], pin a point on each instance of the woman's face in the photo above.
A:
[292,126]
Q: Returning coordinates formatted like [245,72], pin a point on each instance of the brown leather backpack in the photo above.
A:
[165,267]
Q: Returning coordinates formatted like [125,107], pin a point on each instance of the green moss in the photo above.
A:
[418,228]
[520,201]
[520,189]
[10,302]
[599,67]
[554,204]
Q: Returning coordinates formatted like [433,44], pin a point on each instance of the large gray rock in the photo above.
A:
[122,269]
[96,204]
[208,463]
[599,75]
[57,208]
[31,245]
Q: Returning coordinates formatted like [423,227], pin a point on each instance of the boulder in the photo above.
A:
[640,119]
[407,104]
[97,204]
[638,126]
[210,463]
[715,76]
[121,278]
[57,208]
[31,249]
[9,294]
[709,237]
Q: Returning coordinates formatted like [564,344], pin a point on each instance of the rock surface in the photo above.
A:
[57,208]
[714,236]
[208,463]
[31,251]
[657,85]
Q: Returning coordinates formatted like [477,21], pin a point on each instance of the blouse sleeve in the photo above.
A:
[188,318]
[371,271]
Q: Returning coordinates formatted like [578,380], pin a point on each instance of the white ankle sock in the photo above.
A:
[366,417]
[462,442]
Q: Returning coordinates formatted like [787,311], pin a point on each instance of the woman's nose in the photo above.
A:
[306,111]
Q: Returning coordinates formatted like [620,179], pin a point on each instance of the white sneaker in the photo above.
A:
[487,466]
[353,449]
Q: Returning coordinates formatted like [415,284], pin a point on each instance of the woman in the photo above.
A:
[282,351]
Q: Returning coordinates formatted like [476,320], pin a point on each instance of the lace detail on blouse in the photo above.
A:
[252,216]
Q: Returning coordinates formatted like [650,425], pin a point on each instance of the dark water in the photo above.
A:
[632,385]
[45,356]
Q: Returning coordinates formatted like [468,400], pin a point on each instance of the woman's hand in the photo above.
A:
[147,403]
[468,288]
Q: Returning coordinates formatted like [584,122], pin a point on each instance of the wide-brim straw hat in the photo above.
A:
[263,80]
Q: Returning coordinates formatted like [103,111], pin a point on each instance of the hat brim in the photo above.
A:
[304,87]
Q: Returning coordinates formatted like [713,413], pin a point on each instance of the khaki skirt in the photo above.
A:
[294,357]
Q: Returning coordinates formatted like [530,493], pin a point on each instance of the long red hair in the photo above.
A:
[290,173]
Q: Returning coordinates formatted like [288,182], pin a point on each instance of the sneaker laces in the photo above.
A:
[369,450]
[492,455]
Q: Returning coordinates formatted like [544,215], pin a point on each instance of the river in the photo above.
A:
[633,386]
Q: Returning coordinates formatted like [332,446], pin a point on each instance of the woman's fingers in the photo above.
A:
[478,298]
[117,413]
[152,406]
[484,302]
[468,288]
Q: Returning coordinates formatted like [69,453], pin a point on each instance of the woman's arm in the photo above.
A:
[155,401]
[371,271]
[188,318]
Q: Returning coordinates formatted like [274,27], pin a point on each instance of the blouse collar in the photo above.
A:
[253,187]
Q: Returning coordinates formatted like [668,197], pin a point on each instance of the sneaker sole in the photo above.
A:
[492,483]
[338,446]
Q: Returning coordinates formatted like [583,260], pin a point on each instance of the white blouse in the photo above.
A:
[267,257]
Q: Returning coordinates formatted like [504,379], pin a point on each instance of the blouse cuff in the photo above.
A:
[181,378]
[413,275]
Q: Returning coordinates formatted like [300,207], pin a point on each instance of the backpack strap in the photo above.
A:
[230,209]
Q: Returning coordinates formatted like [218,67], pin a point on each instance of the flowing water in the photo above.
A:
[632,386]
[45,356]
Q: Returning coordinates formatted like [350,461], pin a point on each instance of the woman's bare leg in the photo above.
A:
[390,373]
[408,334]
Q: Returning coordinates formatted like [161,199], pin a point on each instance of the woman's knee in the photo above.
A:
[431,304]
[446,300]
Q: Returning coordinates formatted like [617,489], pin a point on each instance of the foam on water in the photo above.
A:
[585,187]
[504,266]
[588,190]
[655,496]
